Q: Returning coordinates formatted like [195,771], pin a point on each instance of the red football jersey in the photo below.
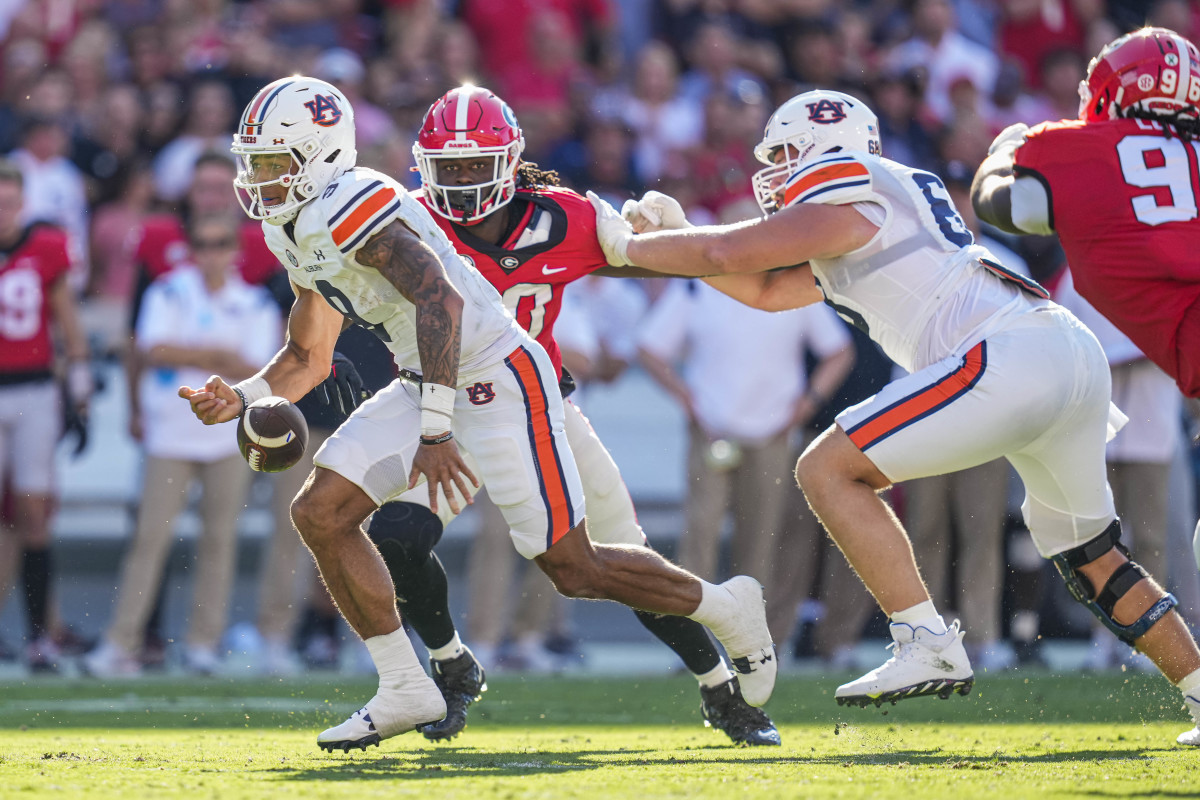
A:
[28,273]
[553,244]
[1123,201]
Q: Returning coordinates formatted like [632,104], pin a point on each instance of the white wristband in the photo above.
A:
[437,408]
[252,390]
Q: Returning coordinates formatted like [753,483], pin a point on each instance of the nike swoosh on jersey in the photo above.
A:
[551,270]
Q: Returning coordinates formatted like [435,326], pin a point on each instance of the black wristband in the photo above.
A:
[241,396]
[445,437]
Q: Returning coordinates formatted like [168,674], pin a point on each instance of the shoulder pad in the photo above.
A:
[358,204]
[835,180]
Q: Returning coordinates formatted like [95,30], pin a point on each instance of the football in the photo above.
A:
[272,435]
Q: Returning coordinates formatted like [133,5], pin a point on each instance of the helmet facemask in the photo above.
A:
[469,204]
[768,182]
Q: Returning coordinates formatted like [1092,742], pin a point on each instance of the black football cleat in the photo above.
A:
[461,681]
[725,709]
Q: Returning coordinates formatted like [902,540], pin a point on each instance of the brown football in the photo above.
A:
[272,435]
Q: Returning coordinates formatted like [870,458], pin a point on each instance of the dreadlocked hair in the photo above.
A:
[530,177]
[1187,129]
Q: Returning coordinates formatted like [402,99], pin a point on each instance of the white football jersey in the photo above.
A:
[318,251]
[921,288]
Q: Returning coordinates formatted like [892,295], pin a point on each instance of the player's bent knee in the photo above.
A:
[1128,574]
[406,532]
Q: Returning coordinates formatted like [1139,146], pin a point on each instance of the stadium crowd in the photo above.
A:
[119,114]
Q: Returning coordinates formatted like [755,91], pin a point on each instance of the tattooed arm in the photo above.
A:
[417,273]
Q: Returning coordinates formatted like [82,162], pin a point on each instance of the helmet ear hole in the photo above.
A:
[332,156]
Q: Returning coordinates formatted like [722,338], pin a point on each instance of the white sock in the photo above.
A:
[922,615]
[1190,685]
[716,676]
[394,658]
[717,606]
[451,650]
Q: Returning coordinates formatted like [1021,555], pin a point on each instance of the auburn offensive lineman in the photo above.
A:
[358,247]
[1119,187]
[34,299]
[996,369]
[530,239]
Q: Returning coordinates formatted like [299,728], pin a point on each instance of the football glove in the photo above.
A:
[343,389]
[654,212]
[1013,135]
[612,231]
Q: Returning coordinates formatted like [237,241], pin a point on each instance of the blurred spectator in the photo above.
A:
[944,54]
[208,127]
[54,188]
[720,167]
[35,300]
[712,57]
[739,420]
[109,141]
[1032,29]
[116,227]
[662,122]
[902,132]
[198,320]
[345,70]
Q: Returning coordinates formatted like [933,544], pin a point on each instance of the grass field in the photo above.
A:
[1017,735]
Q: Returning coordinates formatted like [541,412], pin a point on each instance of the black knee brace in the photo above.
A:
[405,533]
[1118,585]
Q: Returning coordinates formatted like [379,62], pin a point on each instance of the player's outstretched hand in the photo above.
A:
[215,403]
[612,231]
[654,212]
[443,468]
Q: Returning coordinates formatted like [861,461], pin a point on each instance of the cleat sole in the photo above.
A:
[939,688]
[345,745]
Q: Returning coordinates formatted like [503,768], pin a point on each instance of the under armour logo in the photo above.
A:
[481,393]
[826,112]
[319,255]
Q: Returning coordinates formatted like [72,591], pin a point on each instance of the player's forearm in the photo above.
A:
[439,335]
[777,290]
[991,191]
[295,371]
[66,315]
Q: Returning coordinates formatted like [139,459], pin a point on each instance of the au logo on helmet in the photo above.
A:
[826,112]
[321,105]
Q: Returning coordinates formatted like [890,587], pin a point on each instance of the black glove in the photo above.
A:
[75,423]
[343,389]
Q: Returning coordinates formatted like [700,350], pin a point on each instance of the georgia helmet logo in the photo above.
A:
[322,105]
[826,112]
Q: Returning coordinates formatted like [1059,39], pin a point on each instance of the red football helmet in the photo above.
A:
[469,121]
[1153,72]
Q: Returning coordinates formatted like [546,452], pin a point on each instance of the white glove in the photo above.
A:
[1013,135]
[654,212]
[612,231]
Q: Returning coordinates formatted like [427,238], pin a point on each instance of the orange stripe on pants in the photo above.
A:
[918,405]
[545,457]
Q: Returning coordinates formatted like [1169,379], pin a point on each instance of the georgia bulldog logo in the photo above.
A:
[826,112]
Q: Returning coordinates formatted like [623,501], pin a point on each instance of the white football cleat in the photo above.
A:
[108,661]
[391,712]
[1191,738]
[747,641]
[922,663]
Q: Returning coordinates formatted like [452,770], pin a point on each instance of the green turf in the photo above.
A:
[1030,735]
